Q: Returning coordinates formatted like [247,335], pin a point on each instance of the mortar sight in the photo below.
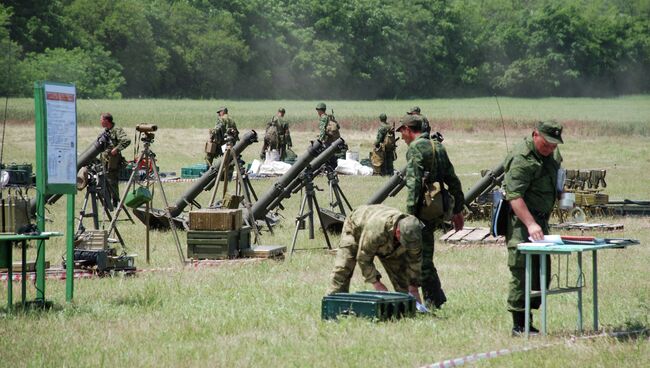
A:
[146,128]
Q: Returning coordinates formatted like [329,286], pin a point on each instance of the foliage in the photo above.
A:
[360,49]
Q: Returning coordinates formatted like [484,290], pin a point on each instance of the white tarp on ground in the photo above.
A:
[351,167]
[269,168]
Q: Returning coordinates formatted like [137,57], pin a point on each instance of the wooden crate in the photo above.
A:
[264,251]
[216,219]
[212,244]
[92,239]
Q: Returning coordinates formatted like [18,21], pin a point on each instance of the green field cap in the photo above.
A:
[321,106]
[382,117]
[281,110]
[221,108]
[551,131]
[410,229]
[414,110]
[411,121]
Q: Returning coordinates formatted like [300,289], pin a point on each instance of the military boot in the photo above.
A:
[519,323]
[432,297]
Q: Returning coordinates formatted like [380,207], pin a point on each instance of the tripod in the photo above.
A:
[150,158]
[242,184]
[311,202]
[92,196]
[336,194]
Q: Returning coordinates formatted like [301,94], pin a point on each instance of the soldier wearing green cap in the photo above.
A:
[531,188]
[427,162]
[379,231]
[328,130]
[384,147]
[277,135]
[426,127]
[111,158]
[225,131]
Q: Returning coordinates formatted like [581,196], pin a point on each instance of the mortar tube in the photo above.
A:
[492,179]
[279,189]
[397,181]
[316,165]
[199,186]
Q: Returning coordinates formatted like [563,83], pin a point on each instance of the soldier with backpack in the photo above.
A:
[385,145]
[277,135]
[328,129]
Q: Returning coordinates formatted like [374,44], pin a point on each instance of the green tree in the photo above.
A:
[10,53]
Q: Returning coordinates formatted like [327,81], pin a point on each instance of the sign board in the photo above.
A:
[56,137]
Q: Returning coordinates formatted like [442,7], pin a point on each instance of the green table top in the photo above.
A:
[15,237]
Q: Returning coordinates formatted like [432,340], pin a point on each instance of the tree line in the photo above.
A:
[354,49]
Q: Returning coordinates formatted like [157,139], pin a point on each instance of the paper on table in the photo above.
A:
[555,239]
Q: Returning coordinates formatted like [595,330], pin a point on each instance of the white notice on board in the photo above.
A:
[61,117]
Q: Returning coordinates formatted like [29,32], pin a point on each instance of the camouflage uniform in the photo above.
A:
[117,138]
[389,154]
[530,176]
[420,158]
[283,135]
[368,232]
[218,135]
[323,136]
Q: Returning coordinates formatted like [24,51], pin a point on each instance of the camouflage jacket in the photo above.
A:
[381,133]
[531,176]
[117,138]
[323,136]
[374,229]
[221,127]
[283,130]
[420,159]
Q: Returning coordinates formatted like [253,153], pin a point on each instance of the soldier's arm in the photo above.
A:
[414,173]
[453,183]
[380,136]
[122,139]
[517,180]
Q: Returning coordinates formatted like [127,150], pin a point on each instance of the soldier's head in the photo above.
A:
[409,232]
[222,110]
[281,111]
[410,126]
[546,136]
[382,117]
[415,110]
[320,108]
[106,119]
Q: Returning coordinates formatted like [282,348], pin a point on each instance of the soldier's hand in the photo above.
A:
[535,232]
[379,286]
[114,152]
[458,221]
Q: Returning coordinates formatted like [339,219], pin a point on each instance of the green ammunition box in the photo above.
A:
[212,244]
[19,174]
[376,305]
[137,196]
[193,171]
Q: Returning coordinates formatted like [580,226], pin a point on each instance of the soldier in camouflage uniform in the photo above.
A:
[422,167]
[111,158]
[386,150]
[531,189]
[379,231]
[225,127]
[426,127]
[328,130]
[284,136]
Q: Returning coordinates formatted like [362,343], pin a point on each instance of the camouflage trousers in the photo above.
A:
[387,168]
[112,181]
[346,259]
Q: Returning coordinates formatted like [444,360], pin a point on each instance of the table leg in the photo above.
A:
[595,282]
[10,276]
[527,294]
[580,283]
[23,273]
[542,287]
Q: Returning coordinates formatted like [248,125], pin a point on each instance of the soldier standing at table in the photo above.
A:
[385,147]
[425,166]
[531,189]
[112,159]
[379,231]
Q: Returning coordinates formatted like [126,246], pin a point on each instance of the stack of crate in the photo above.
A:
[193,171]
[217,234]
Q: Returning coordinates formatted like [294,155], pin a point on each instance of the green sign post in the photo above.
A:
[56,167]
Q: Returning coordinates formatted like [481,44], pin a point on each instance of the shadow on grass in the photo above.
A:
[631,330]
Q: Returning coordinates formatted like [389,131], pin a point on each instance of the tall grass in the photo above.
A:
[268,312]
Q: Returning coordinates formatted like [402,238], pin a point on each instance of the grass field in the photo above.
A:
[268,312]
